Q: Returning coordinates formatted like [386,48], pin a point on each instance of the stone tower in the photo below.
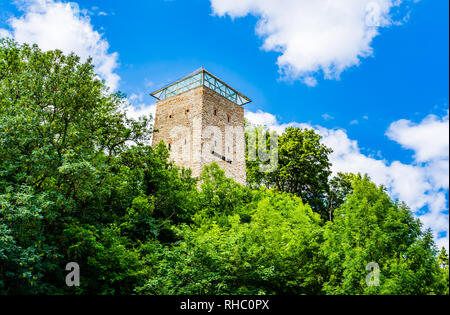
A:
[201,119]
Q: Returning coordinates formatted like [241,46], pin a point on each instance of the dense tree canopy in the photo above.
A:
[370,227]
[79,183]
[303,167]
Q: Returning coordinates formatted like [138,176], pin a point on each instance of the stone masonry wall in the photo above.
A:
[194,121]
[174,122]
[216,111]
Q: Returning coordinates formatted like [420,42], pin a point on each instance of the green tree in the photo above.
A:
[370,227]
[220,197]
[303,168]
[443,258]
[79,183]
[443,262]
[60,135]
[25,255]
[273,253]
[340,187]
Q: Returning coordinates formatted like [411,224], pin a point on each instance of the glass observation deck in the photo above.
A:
[198,78]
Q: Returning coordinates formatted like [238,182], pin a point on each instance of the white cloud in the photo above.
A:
[261,118]
[136,112]
[57,25]
[135,107]
[429,139]
[4,33]
[423,184]
[327,117]
[315,36]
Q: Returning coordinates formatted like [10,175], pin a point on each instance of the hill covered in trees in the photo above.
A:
[78,183]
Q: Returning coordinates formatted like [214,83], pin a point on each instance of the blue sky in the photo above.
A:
[375,111]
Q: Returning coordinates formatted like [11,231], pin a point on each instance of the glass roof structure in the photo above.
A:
[199,78]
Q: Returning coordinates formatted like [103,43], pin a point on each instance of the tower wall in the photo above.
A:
[234,151]
[196,122]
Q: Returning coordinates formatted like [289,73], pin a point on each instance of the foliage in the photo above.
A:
[340,187]
[443,262]
[370,227]
[79,183]
[303,168]
[273,253]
